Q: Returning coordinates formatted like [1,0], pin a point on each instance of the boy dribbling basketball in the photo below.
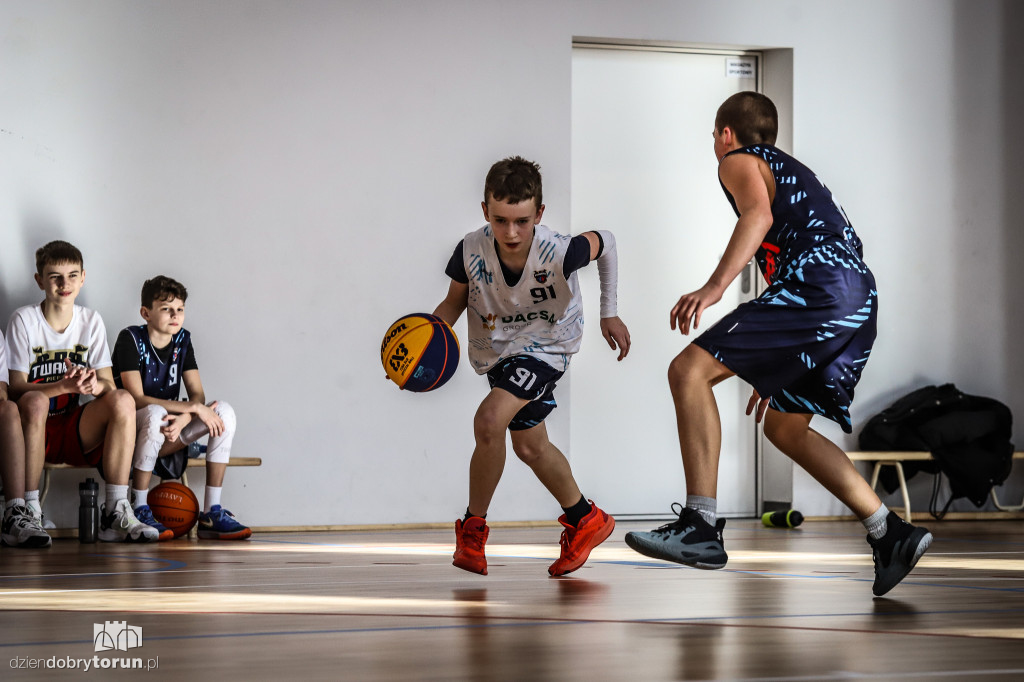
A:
[518,280]
[802,344]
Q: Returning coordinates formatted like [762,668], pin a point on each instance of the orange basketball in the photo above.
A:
[175,506]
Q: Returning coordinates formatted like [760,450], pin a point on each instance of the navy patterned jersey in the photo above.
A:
[805,216]
[805,340]
[161,376]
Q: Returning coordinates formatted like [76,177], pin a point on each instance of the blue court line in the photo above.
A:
[339,631]
[517,624]
[172,565]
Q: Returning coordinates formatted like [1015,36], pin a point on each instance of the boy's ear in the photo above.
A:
[144,311]
[540,213]
[483,205]
[39,281]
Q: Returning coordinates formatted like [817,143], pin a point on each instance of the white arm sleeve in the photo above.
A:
[608,273]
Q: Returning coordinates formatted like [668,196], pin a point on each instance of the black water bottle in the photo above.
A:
[88,511]
[782,519]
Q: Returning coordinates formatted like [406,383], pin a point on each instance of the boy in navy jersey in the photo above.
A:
[802,344]
[58,353]
[518,280]
[152,361]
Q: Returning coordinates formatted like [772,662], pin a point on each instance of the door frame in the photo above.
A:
[773,486]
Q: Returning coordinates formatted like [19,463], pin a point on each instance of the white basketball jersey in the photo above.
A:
[542,315]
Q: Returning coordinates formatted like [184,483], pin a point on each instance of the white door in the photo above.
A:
[643,166]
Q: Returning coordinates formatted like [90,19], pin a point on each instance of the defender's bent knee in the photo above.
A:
[695,365]
[783,430]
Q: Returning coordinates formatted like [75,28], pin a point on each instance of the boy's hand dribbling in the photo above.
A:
[690,307]
[616,334]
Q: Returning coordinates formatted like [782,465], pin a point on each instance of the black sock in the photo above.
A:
[575,513]
[468,514]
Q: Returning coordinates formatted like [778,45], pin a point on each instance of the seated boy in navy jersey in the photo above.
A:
[518,280]
[802,344]
[151,362]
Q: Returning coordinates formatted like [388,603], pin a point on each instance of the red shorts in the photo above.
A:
[64,444]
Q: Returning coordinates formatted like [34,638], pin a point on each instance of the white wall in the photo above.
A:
[307,167]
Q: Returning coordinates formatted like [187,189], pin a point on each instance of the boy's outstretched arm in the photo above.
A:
[603,250]
[451,308]
[741,175]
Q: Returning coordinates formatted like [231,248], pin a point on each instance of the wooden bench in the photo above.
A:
[896,459]
[44,483]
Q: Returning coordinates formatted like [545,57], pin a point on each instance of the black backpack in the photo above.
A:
[969,437]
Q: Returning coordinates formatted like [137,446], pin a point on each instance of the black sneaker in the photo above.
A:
[689,540]
[896,554]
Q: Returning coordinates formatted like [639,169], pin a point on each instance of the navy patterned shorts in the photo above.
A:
[806,339]
[531,379]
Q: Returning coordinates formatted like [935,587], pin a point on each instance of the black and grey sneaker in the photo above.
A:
[897,552]
[689,540]
[20,529]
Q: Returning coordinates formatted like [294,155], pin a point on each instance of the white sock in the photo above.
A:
[14,502]
[875,524]
[32,502]
[140,496]
[707,506]
[115,493]
[212,497]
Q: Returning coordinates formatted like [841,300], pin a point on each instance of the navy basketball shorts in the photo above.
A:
[531,379]
[803,342]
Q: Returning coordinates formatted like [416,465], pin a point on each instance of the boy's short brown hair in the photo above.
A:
[57,252]
[752,117]
[162,288]
[514,180]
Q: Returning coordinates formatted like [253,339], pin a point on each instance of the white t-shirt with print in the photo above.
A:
[39,351]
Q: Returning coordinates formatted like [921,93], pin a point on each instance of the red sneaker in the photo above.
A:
[578,542]
[470,538]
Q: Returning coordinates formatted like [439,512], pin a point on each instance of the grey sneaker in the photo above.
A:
[689,540]
[121,525]
[897,552]
[21,529]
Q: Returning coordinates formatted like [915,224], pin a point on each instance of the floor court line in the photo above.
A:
[768,574]
[524,621]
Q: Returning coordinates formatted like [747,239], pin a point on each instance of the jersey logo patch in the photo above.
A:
[541,276]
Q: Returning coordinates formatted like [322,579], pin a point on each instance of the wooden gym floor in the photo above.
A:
[791,605]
